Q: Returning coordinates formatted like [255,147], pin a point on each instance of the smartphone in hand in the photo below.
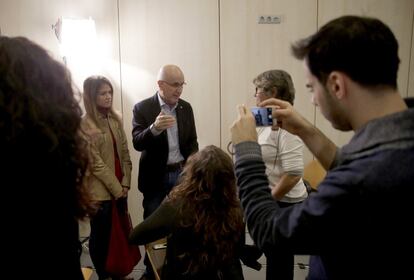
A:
[262,115]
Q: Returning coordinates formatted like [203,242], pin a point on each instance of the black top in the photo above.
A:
[165,222]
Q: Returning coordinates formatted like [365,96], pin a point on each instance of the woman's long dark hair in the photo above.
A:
[40,141]
[208,190]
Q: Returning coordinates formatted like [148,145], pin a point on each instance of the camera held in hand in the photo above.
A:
[263,116]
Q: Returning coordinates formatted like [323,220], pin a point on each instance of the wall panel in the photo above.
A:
[410,91]
[34,19]
[248,48]
[182,32]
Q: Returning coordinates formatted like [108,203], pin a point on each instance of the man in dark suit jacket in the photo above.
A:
[165,134]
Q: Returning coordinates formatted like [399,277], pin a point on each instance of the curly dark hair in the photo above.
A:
[39,123]
[208,188]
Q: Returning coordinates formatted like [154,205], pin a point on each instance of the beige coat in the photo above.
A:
[102,179]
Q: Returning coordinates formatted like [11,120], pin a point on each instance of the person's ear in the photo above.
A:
[274,92]
[336,84]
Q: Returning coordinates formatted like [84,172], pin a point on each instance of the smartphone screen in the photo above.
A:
[263,116]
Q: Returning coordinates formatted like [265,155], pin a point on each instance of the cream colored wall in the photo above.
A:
[34,20]
[248,48]
[410,91]
[218,44]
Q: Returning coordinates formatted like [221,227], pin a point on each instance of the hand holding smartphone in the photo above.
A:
[262,115]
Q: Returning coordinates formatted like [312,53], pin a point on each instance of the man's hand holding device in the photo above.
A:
[262,115]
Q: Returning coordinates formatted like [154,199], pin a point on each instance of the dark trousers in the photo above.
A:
[153,199]
[99,237]
[280,262]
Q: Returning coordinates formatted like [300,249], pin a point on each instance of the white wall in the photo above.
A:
[248,48]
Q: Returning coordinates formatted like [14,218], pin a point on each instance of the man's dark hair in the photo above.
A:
[363,48]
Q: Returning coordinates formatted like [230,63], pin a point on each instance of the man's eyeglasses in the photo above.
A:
[176,84]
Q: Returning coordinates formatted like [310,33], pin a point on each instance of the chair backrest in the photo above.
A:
[156,252]
[87,272]
[314,173]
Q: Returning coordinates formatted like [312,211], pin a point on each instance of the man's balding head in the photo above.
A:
[170,73]
[170,83]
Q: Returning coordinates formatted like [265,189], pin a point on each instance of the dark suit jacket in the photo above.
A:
[154,156]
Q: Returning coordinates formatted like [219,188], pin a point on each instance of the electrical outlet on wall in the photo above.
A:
[269,19]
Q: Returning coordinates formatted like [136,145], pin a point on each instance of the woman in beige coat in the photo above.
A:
[110,164]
